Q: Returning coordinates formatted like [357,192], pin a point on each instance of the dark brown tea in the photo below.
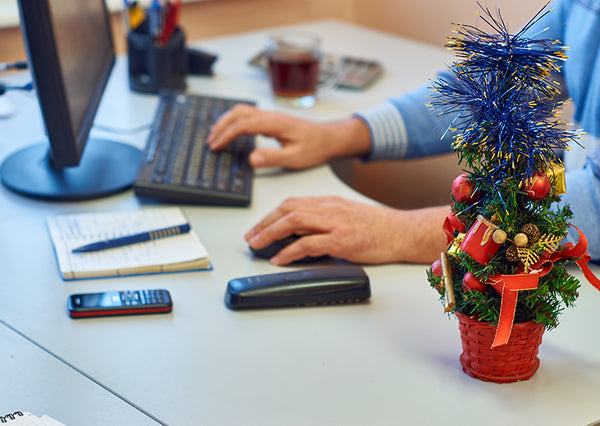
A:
[294,75]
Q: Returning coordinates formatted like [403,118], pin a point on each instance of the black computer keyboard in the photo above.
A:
[178,166]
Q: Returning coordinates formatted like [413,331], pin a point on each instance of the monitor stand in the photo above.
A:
[106,168]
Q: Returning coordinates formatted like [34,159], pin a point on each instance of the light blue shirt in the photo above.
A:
[404,127]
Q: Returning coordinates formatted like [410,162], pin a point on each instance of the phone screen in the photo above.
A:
[110,299]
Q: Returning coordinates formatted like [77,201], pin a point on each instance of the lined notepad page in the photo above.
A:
[178,252]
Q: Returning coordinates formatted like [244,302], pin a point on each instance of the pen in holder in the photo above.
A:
[153,65]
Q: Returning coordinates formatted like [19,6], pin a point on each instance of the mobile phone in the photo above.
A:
[111,303]
[318,286]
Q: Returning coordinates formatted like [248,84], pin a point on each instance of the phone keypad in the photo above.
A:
[144,297]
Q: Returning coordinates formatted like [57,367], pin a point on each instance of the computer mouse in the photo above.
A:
[274,248]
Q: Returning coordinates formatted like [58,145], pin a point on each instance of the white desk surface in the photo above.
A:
[33,380]
[391,361]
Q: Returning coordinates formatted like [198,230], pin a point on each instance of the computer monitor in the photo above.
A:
[71,55]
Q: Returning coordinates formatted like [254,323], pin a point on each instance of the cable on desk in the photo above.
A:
[19,65]
[26,87]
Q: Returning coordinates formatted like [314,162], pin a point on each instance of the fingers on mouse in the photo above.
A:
[272,249]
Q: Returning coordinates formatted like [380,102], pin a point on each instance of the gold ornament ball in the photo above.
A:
[520,240]
[499,236]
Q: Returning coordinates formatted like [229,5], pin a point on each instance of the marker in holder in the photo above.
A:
[154,66]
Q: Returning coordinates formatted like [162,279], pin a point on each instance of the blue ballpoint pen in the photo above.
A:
[155,18]
[134,239]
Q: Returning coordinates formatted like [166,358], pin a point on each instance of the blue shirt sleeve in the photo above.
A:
[405,127]
[583,197]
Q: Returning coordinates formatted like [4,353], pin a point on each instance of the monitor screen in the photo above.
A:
[85,54]
[70,52]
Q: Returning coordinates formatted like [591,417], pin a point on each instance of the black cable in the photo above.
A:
[26,87]
[19,65]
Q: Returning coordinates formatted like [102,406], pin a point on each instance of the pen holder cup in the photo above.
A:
[154,66]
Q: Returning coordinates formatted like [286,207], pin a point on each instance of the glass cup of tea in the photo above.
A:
[297,69]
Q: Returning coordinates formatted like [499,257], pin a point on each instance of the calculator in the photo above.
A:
[358,73]
[355,73]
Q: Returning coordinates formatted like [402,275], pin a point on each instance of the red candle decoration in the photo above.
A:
[479,242]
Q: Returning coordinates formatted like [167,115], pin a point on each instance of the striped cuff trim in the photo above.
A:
[388,132]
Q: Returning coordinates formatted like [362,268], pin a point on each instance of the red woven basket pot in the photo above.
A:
[516,360]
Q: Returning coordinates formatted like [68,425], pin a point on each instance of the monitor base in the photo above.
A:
[106,168]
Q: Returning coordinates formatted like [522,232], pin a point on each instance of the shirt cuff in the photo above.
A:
[388,132]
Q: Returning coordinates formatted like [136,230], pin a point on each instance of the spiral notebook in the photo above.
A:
[182,252]
[21,418]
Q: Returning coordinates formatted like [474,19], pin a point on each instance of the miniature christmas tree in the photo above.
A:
[506,262]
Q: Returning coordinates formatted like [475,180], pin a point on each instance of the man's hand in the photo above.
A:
[353,231]
[303,143]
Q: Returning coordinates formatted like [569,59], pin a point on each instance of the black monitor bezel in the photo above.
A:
[65,145]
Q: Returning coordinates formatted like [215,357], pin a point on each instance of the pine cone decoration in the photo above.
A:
[512,254]
[533,233]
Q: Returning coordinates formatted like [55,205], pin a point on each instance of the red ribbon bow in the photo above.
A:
[509,285]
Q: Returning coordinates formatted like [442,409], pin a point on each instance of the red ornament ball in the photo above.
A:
[537,187]
[463,189]
[472,283]
[436,271]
